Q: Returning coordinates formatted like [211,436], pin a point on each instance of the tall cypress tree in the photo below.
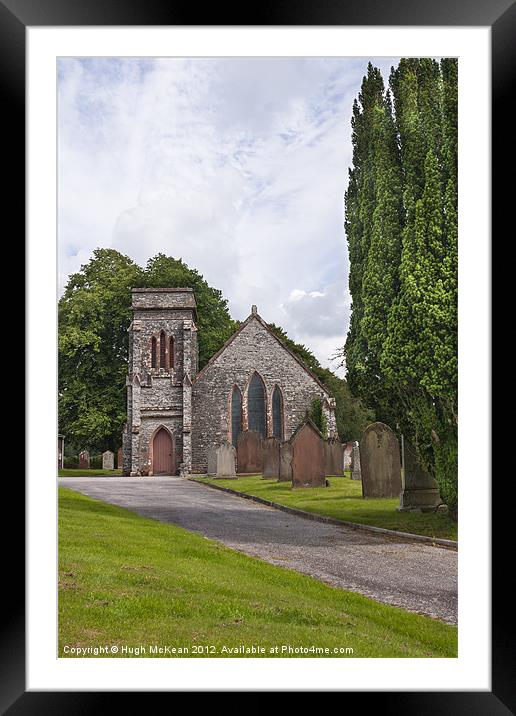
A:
[401,351]
[381,273]
[360,200]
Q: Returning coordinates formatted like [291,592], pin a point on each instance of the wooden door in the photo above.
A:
[163,462]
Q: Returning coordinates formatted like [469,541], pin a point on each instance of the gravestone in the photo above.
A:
[333,457]
[285,462]
[356,472]
[308,456]
[420,491]
[119,458]
[108,460]
[249,452]
[348,449]
[221,461]
[380,462]
[271,458]
[84,460]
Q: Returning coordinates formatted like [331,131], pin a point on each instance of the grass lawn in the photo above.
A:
[87,473]
[126,580]
[343,500]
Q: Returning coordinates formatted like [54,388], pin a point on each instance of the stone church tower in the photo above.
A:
[163,362]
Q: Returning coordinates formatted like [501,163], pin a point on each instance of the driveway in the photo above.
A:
[415,576]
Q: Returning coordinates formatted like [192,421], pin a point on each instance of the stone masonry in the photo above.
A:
[253,348]
[160,396]
[171,401]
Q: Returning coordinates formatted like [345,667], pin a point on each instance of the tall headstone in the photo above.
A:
[221,461]
[119,458]
[380,462]
[333,457]
[271,458]
[249,452]
[308,456]
[420,491]
[348,449]
[84,460]
[285,464]
[108,460]
[356,472]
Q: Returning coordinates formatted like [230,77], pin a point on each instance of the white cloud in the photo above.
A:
[239,167]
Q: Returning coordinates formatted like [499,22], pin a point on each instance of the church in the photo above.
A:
[176,413]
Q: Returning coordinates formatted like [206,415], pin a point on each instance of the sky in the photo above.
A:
[238,166]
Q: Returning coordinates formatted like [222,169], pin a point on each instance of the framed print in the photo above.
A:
[267,262]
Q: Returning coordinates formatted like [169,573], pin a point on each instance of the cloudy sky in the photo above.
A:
[237,166]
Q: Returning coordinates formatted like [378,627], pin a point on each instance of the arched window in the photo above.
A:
[171,352]
[236,414]
[277,413]
[256,405]
[162,350]
[153,352]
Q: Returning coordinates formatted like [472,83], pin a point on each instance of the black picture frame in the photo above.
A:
[15,17]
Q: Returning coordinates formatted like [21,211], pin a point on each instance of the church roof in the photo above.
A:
[256,317]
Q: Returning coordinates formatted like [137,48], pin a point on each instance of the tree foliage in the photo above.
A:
[318,418]
[401,227]
[94,316]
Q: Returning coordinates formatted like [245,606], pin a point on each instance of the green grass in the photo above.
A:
[343,500]
[128,580]
[86,473]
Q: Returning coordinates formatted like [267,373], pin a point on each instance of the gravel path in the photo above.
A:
[415,576]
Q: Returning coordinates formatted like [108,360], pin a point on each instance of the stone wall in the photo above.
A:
[252,348]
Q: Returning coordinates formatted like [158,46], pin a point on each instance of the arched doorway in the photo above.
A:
[163,458]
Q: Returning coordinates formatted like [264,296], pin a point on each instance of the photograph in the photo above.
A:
[257,357]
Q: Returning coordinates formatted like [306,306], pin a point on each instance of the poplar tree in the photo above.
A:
[401,350]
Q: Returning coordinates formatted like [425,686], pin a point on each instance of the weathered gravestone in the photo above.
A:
[420,491]
[249,452]
[333,457]
[271,458]
[119,458]
[108,460]
[380,462]
[285,464]
[348,449]
[308,456]
[221,461]
[356,472]
[84,460]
